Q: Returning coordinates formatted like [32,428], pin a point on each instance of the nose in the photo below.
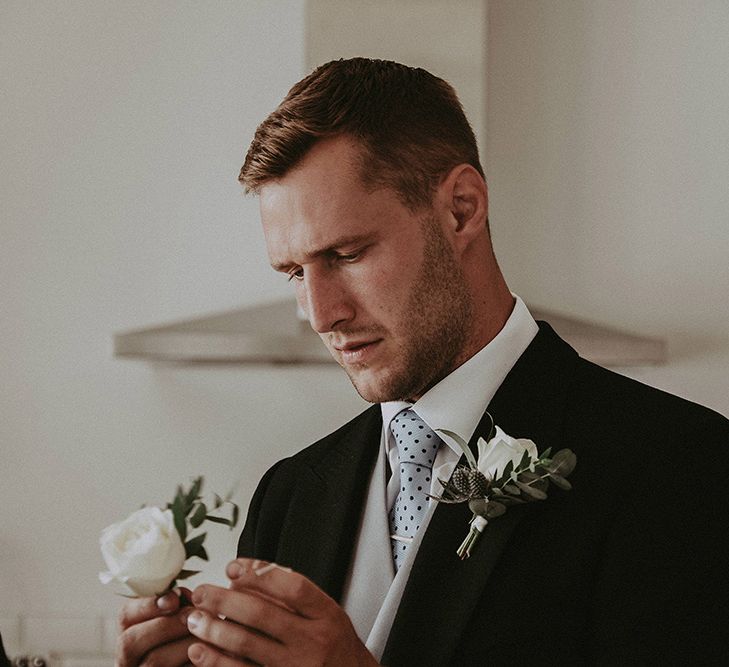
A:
[325,300]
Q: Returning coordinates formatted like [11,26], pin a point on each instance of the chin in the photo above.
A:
[367,391]
[379,389]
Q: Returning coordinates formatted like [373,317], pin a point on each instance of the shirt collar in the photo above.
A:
[459,400]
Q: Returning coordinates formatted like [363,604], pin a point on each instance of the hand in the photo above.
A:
[273,617]
[153,631]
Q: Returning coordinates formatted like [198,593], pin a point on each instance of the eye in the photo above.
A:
[296,274]
[349,257]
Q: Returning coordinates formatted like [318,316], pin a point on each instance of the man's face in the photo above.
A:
[379,283]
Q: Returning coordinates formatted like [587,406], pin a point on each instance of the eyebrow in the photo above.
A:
[333,248]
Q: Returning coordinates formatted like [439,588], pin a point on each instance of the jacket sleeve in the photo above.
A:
[259,536]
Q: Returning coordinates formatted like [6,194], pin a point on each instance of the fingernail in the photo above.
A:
[166,602]
[193,620]
[183,617]
[195,652]
[177,591]
[198,595]
[234,570]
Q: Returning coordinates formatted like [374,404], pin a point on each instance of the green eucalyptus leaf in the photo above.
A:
[511,488]
[478,506]
[508,469]
[194,493]
[545,454]
[563,462]
[525,461]
[179,514]
[217,519]
[194,547]
[560,481]
[494,509]
[198,515]
[534,480]
[531,491]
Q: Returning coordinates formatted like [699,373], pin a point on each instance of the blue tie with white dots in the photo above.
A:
[417,445]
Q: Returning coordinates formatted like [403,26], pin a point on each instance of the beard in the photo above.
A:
[433,327]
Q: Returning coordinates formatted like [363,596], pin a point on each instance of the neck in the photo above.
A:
[493,303]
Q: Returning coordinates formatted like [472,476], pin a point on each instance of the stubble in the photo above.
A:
[434,325]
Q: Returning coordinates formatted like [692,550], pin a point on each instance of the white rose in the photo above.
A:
[144,551]
[494,455]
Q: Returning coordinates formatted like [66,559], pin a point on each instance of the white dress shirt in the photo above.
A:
[372,591]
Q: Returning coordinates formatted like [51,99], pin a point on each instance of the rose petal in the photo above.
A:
[494,455]
[144,551]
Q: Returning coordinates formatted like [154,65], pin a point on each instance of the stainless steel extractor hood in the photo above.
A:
[272,333]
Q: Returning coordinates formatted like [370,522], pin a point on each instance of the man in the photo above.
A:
[373,202]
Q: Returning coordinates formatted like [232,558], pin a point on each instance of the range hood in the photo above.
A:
[272,333]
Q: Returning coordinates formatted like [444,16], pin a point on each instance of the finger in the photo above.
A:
[291,588]
[137,610]
[139,639]
[234,639]
[205,655]
[171,655]
[248,608]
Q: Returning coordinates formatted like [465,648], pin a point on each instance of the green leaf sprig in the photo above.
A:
[489,498]
[190,512]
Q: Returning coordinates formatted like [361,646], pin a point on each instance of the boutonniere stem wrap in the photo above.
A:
[509,471]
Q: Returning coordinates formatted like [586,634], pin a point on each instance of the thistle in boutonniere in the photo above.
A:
[509,471]
[147,551]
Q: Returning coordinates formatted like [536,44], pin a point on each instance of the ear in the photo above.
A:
[465,198]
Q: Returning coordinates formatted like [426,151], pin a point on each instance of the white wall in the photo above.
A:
[123,127]
[607,159]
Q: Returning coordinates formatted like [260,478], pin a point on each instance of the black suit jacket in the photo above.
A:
[4,661]
[628,568]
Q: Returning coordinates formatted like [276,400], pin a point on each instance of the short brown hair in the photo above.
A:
[409,123]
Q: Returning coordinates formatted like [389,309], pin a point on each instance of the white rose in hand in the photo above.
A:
[494,455]
[144,551]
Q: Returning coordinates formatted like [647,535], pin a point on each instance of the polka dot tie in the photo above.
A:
[417,445]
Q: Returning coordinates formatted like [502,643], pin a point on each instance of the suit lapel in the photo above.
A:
[327,502]
[442,590]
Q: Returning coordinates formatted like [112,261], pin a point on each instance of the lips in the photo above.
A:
[352,345]
[358,351]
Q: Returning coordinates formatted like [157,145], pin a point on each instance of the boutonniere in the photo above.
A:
[147,551]
[509,471]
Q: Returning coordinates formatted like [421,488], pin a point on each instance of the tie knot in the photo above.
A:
[416,442]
